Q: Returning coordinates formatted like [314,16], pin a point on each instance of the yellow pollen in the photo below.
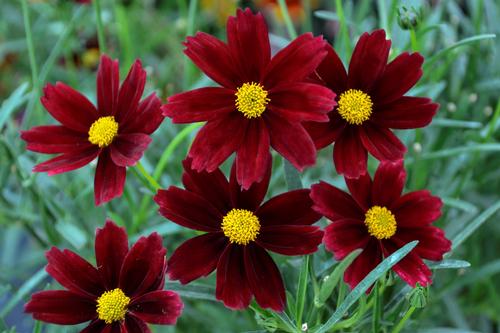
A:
[103,131]
[381,222]
[241,226]
[251,99]
[355,106]
[112,306]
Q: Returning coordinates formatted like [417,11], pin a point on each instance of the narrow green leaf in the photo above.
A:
[456,123]
[449,263]
[486,147]
[15,100]
[445,330]
[301,290]
[23,291]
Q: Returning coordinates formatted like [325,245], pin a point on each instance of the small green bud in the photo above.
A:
[418,296]
[409,18]
[268,323]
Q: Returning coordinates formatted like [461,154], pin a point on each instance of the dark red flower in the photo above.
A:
[370,102]
[238,231]
[122,294]
[83,1]
[379,220]
[261,103]
[117,131]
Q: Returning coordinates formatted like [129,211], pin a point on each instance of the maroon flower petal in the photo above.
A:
[405,113]
[109,179]
[264,278]
[157,307]
[216,141]
[349,154]
[364,263]
[335,204]
[399,76]
[188,209]
[69,161]
[368,60]
[232,286]
[323,134]
[417,208]
[96,326]
[296,61]
[248,41]
[134,324]
[73,272]
[291,140]
[381,142]
[203,104]
[108,83]
[131,92]
[143,266]
[388,183]
[127,149]
[344,236]
[54,139]
[111,247]
[148,118]
[332,71]
[61,307]
[361,190]
[432,243]
[299,101]
[290,240]
[196,257]
[290,208]
[213,57]
[69,107]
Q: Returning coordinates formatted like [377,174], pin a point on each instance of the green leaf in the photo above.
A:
[23,291]
[301,290]
[16,99]
[292,176]
[74,235]
[456,123]
[193,290]
[449,263]
[486,147]
[445,330]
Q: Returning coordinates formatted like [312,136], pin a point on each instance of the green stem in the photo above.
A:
[413,40]
[188,66]
[301,291]
[100,28]
[376,309]
[344,29]
[151,182]
[403,320]
[288,21]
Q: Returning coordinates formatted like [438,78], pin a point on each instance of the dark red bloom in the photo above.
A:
[83,1]
[117,131]
[370,102]
[262,102]
[122,294]
[379,220]
[238,231]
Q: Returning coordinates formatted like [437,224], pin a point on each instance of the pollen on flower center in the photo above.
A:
[112,306]
[103,131]
[251,99]
[355,106]
[381,222]
[241,226]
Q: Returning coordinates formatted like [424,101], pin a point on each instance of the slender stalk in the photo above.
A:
[302,290]
[413,39]
[376,309]
[344,29]
[151,182]
[403,320]
[288,21]
[188,66]
[100,28]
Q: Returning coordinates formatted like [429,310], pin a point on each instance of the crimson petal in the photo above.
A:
[388,183]
[432,243]
[361,190]
[405,113]
[54,139]
[417,208]
[290,240]
[332,71]
[364,263]
[323,134]
[334,204]
[136,325]
[349,154]
[344,236]
[251,198]
[148,119]
[109,179]
[108,83]
[157,307]
[127,149]
[131,92]
[69,161]
[381,142]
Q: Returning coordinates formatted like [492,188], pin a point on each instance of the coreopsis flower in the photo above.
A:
[262,102]
[122,294]
[117,131]
[238,229]
[370,102]
[377,218]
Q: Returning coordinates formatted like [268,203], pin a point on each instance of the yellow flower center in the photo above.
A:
[355,106]
[381,222]
[112,306]
[241,226]
[251,99]
[103,131]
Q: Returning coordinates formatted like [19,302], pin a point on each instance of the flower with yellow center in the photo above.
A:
[112,306]
[241,226]
[251,99]
[355,106]
[380,222]
[103,131]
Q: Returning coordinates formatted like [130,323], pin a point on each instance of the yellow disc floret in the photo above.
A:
[251,99]
[241,226]
[112,306]
[381,222]
[355,106]
[103,131]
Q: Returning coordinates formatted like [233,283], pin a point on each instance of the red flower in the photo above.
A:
[379,220]
[238,231]
[261,103]
[370,102]
[117,131]
[123,293]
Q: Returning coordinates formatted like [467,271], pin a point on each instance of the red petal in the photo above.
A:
[405,113]
[158,307]
[203,104]
[148,118]
[364,263]
[196,257]
[349,155]
[130,93]
[69,161]
[108,82]
[111,247]
[290,208]
[188,209]
[417,208]
[323,134]
[432,243]
[361,190]
[109,179]
[264,278]
[54,139]
[332,71]
[344,236]
[232,286]
[136,325]
[290,240]
[334,203]
[61,307]
[95,326]
[388,183]
[127,149]
[381,142]
[368,60]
